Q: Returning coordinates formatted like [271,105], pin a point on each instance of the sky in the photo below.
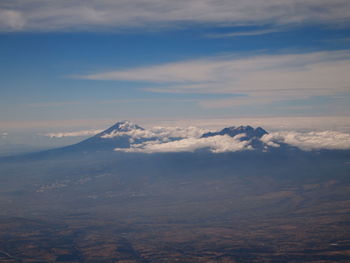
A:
[86,64]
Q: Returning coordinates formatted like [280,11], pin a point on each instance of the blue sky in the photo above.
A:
[88,64]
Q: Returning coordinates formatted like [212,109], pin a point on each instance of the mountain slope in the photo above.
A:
[248,134]
[109,139]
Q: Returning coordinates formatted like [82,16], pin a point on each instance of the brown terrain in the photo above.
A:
[177,208]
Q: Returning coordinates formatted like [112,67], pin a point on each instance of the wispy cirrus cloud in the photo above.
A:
[262,78]
[245,33]
[54,104]
[11,20]
[53,15]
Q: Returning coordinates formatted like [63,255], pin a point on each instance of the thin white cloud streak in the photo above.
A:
[160,133]
[126,101]
[72,134]
[330,140]
[4,135]
[235,101]
[244,33]
[216,144]
[54,104]
[266,99]
[50,15]
[263,77]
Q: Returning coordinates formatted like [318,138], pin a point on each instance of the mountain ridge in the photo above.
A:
[126,135]
[233,131]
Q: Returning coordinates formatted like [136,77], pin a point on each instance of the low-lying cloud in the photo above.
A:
[4,135]
[161,133]
[72,134]
[177,139]
[189,140]
[216,144]
[330,140]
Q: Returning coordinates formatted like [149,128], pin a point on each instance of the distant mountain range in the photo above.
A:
[89,202]
[125,134]
[248,131]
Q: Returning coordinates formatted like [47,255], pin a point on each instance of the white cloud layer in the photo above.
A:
[72,134]
[216,144]
[188,140]
[262,78]
[49,15]
[330,140]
